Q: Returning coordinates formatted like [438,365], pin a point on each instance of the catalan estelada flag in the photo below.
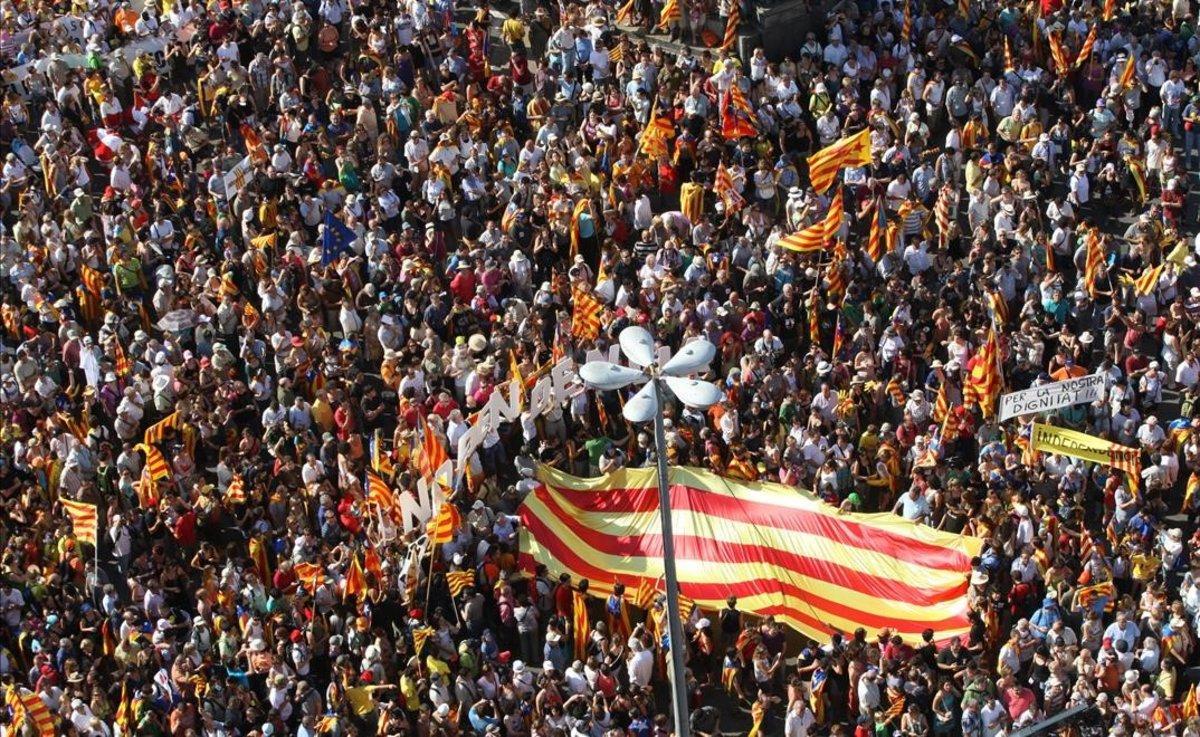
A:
[83,520]
[780,552]
[823,166]
[586,316]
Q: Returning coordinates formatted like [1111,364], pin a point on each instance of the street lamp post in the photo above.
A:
[645,405]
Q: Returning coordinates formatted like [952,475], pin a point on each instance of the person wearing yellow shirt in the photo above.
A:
[362,699]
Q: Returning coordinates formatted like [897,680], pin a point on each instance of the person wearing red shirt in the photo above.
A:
[462,286]
[185,529]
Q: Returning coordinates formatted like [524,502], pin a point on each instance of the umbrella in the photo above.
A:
[177,320]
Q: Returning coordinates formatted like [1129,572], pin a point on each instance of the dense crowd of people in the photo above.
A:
[264,261]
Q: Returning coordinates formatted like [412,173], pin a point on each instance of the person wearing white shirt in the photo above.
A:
[799,719]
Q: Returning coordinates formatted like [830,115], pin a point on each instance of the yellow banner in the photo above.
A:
[1051,439]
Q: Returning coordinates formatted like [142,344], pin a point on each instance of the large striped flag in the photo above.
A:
[782,552]
[28,707]
[444,524]
[84,520]
[585,317]
[983,383]
[156,462]
[458,581]
[853,150]
[731,25]
[817,235]
[156,432]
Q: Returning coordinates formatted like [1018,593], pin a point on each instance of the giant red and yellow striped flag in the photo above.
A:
[156,463]
[983,383]
[93,280]
[782,553]
[1084,51]
[585,318]
[28,707]
[853,150]
[731,25]
[444,524]
[815,236]
[84,520]
[156,432]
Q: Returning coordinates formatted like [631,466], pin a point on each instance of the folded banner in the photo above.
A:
[1052,396]
[779,550]
[1051,439]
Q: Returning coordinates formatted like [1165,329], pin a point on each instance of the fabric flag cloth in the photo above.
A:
[84,520]
[1063,441]
[733,125]
[235,493]
[576,235]
[28,707]
[237,178]
[983,383]
[1128,73]
[444,524]
[420,636]
[585,317]
[156,463]
[875,239]
[1084,51]
[380,494]
[258,555]
[356,580]
[731,26]
[458,581]
[671,13]
[1058,52]
[580,624]
[156,432]
[433,454]
[817,235]
[784,553]
[1095,259]
[92,279]
[336,239]
[823,166]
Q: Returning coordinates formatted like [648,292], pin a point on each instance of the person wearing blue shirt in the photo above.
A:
[1044,618]
[481,716]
